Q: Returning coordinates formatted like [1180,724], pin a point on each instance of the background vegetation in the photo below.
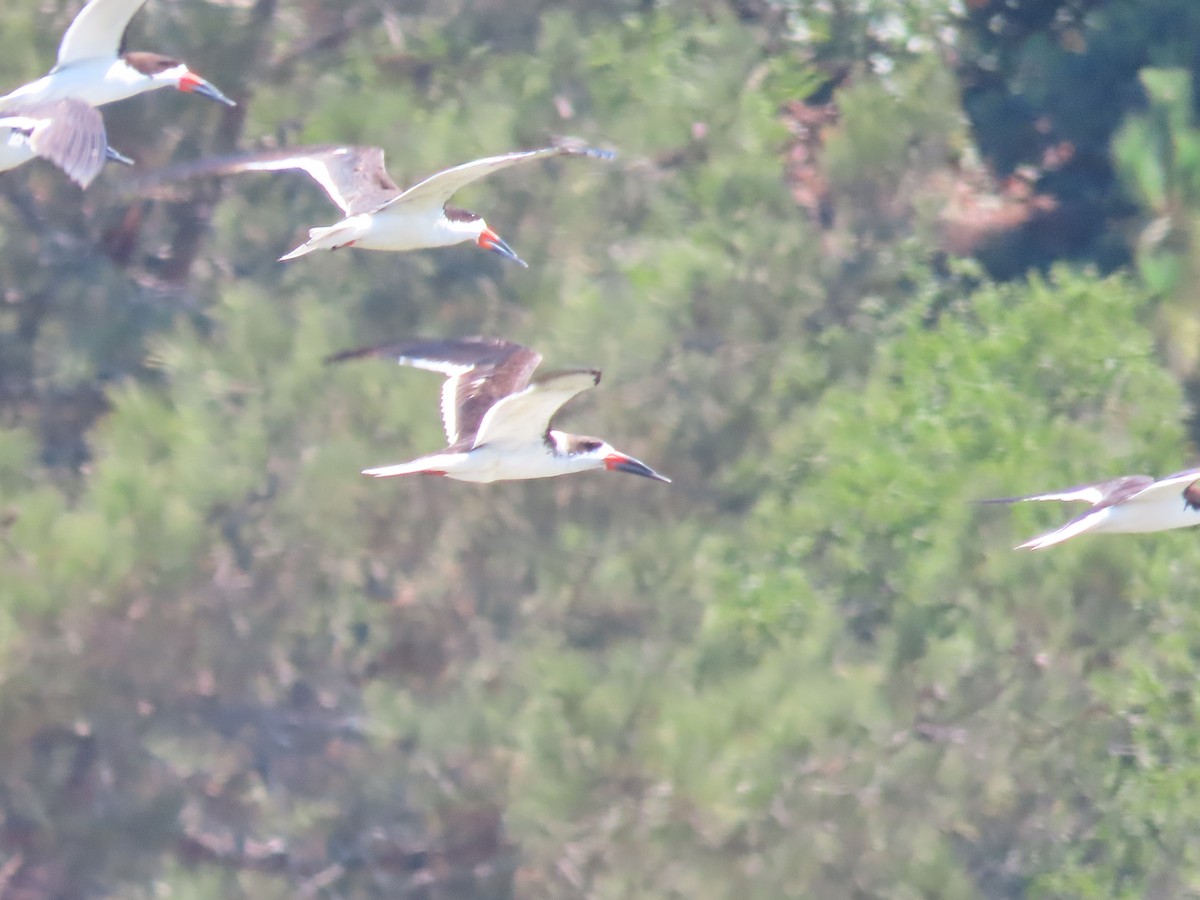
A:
[857,265]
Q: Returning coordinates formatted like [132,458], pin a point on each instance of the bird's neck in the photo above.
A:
[94,81]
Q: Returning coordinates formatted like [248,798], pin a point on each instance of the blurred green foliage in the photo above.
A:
[811,667]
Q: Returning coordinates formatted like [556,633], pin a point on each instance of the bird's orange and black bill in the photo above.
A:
[489,240]
[191,83]
[618,463]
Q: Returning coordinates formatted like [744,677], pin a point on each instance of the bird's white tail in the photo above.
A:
[426,465]
[326,237]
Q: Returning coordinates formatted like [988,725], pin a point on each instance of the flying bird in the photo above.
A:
[378,214]
[497,419]
[92,70]
[1129,504]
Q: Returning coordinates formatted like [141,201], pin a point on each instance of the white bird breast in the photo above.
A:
[410,229]
[517,464]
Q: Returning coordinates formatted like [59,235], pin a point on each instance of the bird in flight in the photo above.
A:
[497,419]
[1129,504]
[92,70]
[378,215]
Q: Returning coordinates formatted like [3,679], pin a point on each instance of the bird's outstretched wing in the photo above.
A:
[1079,525]
[524,417]
[354,178]
[479,373]
[97,30]
[1182,483]
[68,133]
[1099,493]
[435,190]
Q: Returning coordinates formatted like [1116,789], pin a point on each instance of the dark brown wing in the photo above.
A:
[354,177]
[479,372]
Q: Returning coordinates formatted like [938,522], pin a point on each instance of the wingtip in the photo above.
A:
[575,147]
[353,353]
[83,180]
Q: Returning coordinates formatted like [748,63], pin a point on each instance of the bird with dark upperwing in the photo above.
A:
[497,419]
[92,70]
[378,214]
[1126,505]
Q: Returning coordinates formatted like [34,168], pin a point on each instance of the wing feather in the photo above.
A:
[524,416]
[1099,493]
[97,30]
[479,373]
[1175,478]
[1079,525]
[68,133]
[438,188]
[354,178]
[1180,482]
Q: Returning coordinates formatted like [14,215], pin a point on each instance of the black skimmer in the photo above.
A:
[1125,505]
[68,133]
[378,214]
[497,420]
[92,67]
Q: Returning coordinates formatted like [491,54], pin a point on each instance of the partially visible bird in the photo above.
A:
[497,419]
[94,67]
[68,133]
[46,117]
[378,214]
[1129,504]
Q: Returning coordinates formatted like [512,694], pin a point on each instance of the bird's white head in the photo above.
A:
[154,71]
[593,453]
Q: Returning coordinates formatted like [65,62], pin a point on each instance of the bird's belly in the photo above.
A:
[1143,517]
[395,231]
[485,465]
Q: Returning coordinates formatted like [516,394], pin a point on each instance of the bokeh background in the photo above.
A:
[858,264]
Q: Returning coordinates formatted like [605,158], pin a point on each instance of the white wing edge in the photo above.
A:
[1185,477]
[454,374]
[1085,523]
[436,190]
[313,166]
[1089,493]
